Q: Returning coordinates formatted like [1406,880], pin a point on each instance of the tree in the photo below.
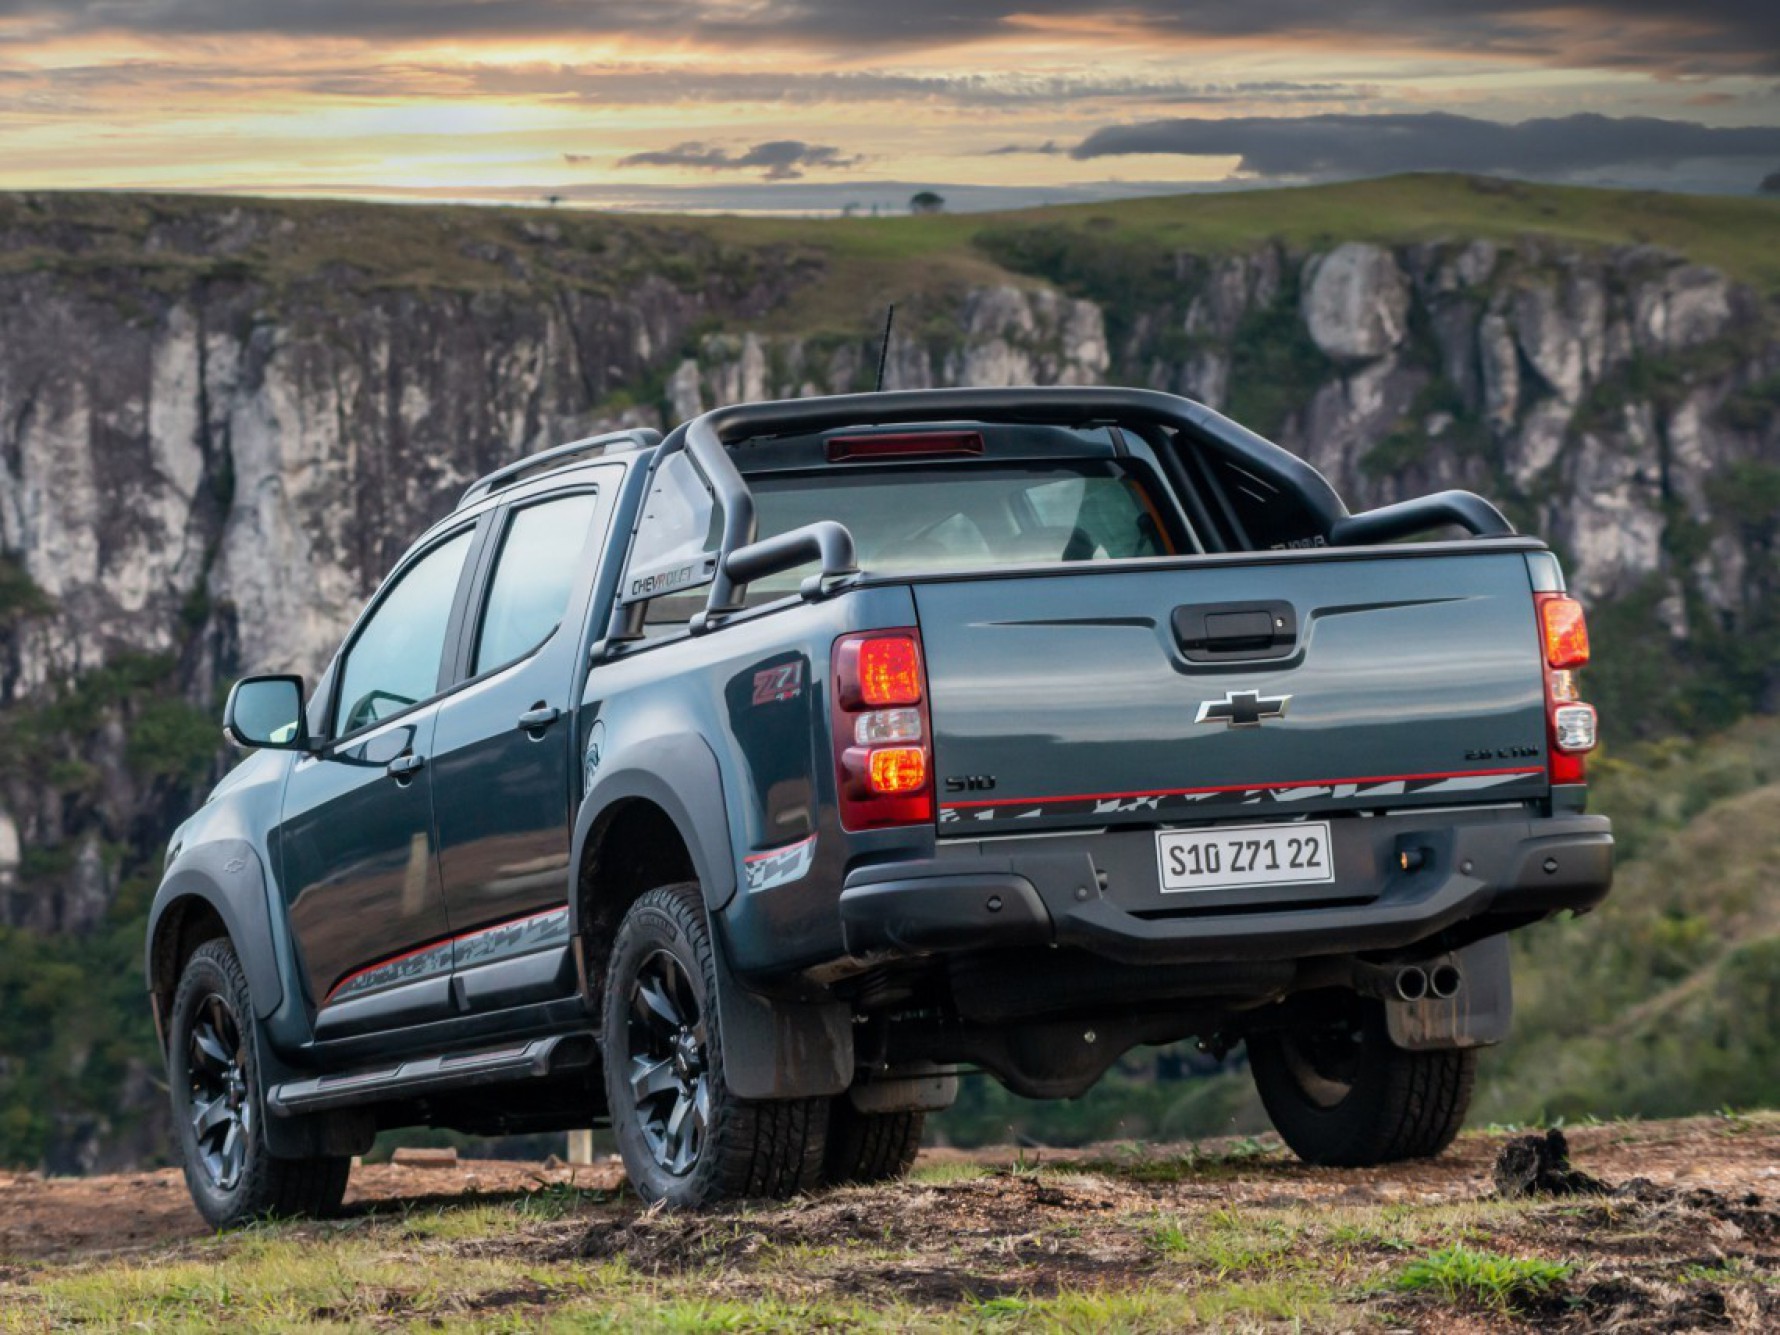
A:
[926,201]
[1770,184]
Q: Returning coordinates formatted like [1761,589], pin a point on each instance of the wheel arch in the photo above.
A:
[676,776]
[213,890]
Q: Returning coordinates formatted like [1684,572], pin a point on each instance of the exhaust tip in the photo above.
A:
[1445,980]
[1412,983]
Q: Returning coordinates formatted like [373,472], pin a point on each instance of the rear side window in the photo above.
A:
[393,662]
[678,536]
[533,577]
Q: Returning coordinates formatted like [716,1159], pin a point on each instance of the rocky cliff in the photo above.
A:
[220,422]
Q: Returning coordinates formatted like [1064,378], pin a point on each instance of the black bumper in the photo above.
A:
[1092,893]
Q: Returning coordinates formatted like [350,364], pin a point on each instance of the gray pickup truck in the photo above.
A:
[741,788]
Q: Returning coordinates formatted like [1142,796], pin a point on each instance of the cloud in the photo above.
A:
[1049,148]
[651,84]
[778,159]
[1344,145]
[1666,34]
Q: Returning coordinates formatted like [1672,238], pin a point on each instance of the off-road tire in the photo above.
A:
[1398,1104]
[265,1186]
[870,1147]
[748,1148]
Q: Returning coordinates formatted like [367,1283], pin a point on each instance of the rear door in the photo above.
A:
[502,767]
[1105,695]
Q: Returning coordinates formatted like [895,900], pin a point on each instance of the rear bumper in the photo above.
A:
[1485,871]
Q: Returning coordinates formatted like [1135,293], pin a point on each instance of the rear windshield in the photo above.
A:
[911,520]
[907,521]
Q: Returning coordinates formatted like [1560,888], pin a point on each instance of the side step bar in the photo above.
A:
[431,1075]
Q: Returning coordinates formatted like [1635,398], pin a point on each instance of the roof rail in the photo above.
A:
[613,442]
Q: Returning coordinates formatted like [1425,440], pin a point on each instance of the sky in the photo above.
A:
[817,105]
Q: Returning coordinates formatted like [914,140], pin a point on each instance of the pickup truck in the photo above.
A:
[741,788]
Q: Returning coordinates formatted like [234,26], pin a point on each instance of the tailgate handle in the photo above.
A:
[1236,632]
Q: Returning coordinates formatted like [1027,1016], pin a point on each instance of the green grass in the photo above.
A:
[1458,1275]
[1050,1247]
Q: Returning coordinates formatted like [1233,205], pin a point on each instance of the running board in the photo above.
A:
[431,1075]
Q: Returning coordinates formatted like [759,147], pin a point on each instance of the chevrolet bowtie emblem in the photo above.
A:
[1242,709]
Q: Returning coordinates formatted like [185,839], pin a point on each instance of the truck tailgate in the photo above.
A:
[1073,698]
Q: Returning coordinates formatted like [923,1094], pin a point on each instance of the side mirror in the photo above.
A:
[267,712]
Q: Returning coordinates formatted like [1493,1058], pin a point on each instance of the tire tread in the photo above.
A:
[1410,1106]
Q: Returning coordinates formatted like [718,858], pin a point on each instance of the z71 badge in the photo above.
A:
[778,683]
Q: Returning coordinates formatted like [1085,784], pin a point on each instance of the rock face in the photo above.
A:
[219,425]
[1356,301]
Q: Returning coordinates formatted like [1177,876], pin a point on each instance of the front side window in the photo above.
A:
[533,577]
[394,660]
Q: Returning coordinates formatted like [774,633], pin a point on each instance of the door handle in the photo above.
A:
[536,720]
[404,767]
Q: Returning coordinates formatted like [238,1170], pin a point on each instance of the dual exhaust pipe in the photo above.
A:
[1439,980]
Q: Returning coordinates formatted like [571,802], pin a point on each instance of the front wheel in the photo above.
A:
[684,1138]
[219,1109]
[1343,1094]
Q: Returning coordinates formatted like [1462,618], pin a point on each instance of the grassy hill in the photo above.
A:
[867,261]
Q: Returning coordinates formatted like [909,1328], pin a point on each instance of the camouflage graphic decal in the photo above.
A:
[1181,801]
[521,936]
[779,866]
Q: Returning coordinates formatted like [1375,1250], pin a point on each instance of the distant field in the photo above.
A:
[1223,1235]
[866,261]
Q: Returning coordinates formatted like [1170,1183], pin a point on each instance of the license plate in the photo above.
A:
[1295,854]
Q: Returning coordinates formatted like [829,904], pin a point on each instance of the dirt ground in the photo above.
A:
[1686,1235]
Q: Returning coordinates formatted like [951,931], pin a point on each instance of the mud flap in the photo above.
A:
[1477,1015]
[780,1049]
[344,1132]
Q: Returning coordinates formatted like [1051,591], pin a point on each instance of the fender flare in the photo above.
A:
[679,774]
[229,876]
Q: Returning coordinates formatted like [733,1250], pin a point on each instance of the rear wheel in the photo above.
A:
[870,1147]
[219,1105]
[684,1138]
[1343,1094]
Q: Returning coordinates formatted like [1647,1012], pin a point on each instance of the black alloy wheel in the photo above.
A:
[684,1136]
[669,1063]
[219,1113]
[219,1108]
[1324,1063]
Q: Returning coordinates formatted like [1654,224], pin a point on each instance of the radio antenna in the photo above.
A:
[884,351]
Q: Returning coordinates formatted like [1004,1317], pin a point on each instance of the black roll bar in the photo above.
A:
[707,439]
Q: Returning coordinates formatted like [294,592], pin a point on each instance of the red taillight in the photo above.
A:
[882,738]
[1566,632]
[904,445]
[879,671]
[1570,725]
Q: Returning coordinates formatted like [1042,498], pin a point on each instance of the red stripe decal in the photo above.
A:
[435,945]
[1244,787]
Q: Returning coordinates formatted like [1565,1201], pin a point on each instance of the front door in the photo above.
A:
[502,758]
[359,857]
